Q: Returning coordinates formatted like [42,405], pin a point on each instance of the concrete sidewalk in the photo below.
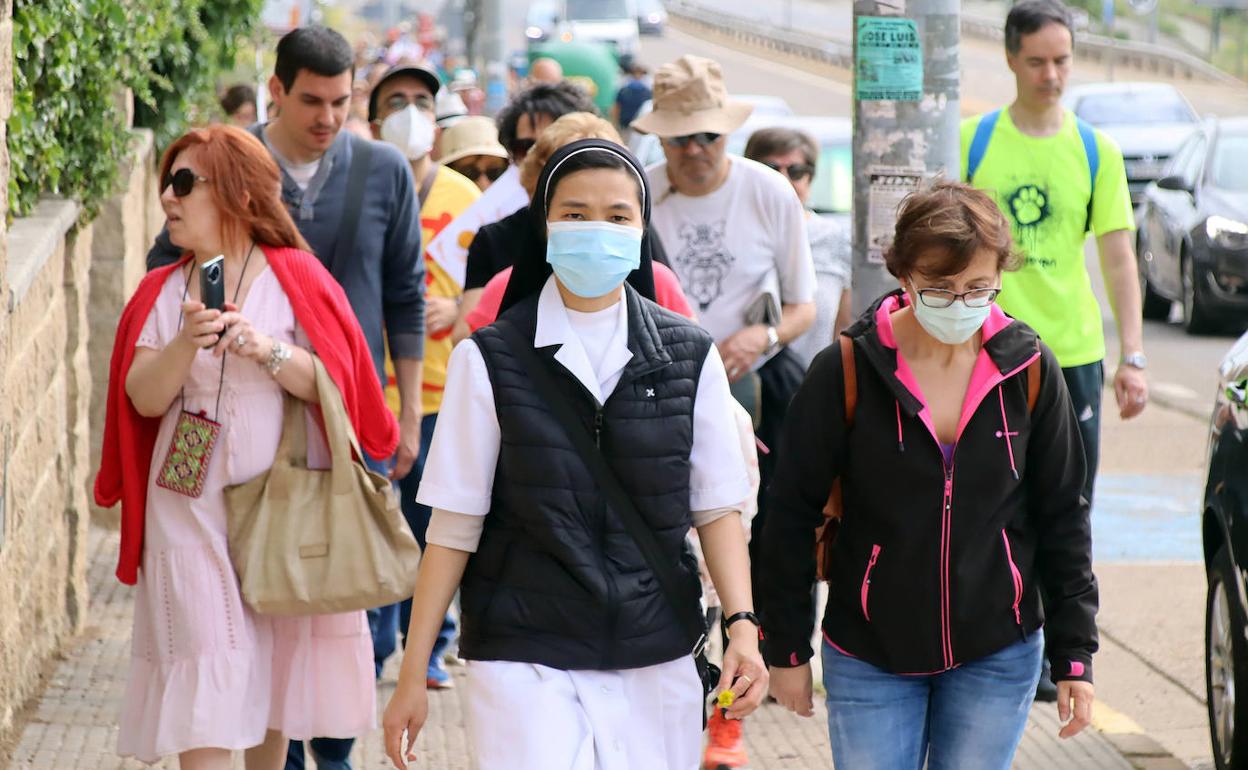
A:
[72,726]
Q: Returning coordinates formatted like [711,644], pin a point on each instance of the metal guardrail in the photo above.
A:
[1142,57]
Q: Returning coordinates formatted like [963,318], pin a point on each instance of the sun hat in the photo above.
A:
[473,135]
[690,98]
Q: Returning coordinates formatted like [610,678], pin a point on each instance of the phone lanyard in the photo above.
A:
[186,290]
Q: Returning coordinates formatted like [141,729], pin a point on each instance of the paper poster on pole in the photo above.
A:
[888,187]
[888,60]
[450,247]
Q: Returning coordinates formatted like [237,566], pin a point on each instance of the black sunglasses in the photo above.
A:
[794,171]
[183,181]
[520,147]
[474,172]
[700,139]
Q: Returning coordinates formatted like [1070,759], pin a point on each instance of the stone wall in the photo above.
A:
[62,287]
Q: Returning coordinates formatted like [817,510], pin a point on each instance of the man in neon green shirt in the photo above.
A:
[1056,179]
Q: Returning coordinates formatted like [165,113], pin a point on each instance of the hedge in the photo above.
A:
[73,60]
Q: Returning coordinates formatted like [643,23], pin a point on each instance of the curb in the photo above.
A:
[1129,739]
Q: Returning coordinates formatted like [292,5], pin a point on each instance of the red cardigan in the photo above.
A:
[321,308]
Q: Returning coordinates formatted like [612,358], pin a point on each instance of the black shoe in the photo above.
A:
[1046,691]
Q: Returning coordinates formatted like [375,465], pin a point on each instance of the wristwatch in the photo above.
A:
[750,616]
[773,338]
[1135,360]
[279,355]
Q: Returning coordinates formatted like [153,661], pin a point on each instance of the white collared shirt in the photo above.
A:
[459,472]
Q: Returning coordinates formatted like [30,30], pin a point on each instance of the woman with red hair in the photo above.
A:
[207,674]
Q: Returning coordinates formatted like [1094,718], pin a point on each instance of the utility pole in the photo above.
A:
[494,52]
[906,120]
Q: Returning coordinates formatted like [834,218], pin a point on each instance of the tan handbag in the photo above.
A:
[314,542]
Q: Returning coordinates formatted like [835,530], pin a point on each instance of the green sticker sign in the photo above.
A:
[889,60]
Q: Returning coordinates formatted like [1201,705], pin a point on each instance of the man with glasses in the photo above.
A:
[355,203]
[528,113]
[402,112]
[735,233]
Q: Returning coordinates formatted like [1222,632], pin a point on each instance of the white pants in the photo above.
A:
[523,716]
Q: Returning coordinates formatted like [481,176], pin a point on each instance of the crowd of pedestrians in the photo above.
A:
[600,391]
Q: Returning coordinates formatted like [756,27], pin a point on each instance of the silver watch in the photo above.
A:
[773,338]
[279,355]
[1135,360]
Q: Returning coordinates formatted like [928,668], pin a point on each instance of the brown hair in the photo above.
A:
[566,130]
[945,226]
[245,184]
[770,142]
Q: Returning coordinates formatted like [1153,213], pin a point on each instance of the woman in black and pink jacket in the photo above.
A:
[962,504]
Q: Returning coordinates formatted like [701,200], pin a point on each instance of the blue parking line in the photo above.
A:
[1147,517]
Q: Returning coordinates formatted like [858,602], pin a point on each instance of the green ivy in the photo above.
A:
[73,60]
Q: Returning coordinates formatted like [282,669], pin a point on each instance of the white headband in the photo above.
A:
[641,184]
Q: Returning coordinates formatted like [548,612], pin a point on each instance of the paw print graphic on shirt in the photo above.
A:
[1029,205]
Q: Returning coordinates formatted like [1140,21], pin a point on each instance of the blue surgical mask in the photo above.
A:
[951,325]
[592,259]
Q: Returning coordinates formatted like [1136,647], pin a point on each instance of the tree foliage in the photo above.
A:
[74,60]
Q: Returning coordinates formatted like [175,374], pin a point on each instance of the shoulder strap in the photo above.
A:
[688,608]
[357,178]
[850,375]
[1033,384]
[979,144]
[427,185]
[1088,135]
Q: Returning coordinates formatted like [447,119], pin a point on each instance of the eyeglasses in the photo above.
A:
[397,102]
[183,181]
[942,298]
[519,148]
[700,139]
[796,172]
[475,172]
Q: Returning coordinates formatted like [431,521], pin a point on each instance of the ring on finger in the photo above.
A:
[240,340]
[748,679]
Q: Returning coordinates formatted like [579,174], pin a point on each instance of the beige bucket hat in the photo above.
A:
[473,135]
[689,98]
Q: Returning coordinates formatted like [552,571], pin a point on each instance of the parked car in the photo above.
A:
[1148,121]
[1192,236]
[1224,527]
[651,17]
[539,22]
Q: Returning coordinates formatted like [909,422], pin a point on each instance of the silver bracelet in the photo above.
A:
[279,355]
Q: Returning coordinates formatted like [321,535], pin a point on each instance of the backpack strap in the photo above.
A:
[1088,135]
[1033,384]
[850,376]
[979,144]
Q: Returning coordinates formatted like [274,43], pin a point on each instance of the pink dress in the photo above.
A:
[206,671]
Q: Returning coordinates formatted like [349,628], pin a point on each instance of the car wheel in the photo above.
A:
[1196,318]
[1226,666]
[1155,306]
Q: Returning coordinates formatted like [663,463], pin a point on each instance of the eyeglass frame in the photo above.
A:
[421,102]
[927,293]
[171,180]
[701,139]
[474,172]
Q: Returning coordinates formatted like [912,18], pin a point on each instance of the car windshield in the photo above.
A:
[597,10]
[1227,169]
[1135,108]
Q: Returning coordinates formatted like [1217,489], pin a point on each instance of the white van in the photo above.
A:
[613,22]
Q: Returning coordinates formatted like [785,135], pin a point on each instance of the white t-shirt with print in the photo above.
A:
[729,246]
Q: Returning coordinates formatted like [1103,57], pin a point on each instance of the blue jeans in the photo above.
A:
[968,718]
[387,622]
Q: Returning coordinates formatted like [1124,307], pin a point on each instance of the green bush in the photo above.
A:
[73,60]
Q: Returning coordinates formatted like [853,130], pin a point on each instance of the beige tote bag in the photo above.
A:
[314,542]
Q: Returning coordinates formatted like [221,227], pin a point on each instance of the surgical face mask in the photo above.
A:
[592,259]
[410,130]
[951,325]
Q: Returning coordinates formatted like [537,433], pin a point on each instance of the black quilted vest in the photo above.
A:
[556,579]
